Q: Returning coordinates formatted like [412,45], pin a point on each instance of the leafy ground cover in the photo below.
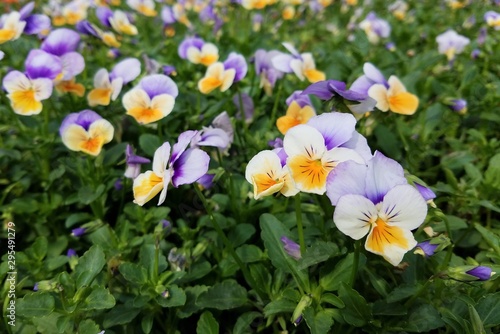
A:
[250,166]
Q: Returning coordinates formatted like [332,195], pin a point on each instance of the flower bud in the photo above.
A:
[470,273]
[291,248]
[304,302]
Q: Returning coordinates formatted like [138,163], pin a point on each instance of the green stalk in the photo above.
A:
[357,249]
[275,107]
[228,244]
[300,227]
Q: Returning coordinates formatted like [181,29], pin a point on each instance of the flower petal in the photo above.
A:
[346,178]
[264,173]
[190,166]
[383,175]
[160,159]
[378,92]
[146,186]
[128,69]
[403,206]
[403,103]
[336,128]
[304,140]
[352,215]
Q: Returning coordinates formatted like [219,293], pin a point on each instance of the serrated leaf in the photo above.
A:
[133,273]
[88,326]
[223,296]
[35,304]
[190,307]
[89,265]
[207,324]
[249,253]
[120,315]
[319,251]
[241,233]
[99,299]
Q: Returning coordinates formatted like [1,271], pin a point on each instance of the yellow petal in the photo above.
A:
[403,103]
[314,75]
[6,35]
[146,186]
[208,59]
[265,185]
[71,86]
[24,102]
[99,96]
[309,175]
[145,115]
[383,235]
[285,123]
[208,84]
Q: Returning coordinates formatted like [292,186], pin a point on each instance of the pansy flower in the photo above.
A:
[197,51]
[450,44]
[121,23]
[374,199]
[295,115]
[27,90]
[179,165]
[375,28]
[302,99]
[107,86]
[152,99]
[223,75]
[266,71]
[86,131]
[11,27]
[302,65]
[145,7]
[492,18]
[314,149]
[268,176]
[62,43]
[399,9]
[394,98]
[75,11]
[219,134]
[35,23]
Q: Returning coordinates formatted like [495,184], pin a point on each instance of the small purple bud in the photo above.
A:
[475,53]
[298,321]
[206,181]
[425,248]
[426,192]
[390,46]
[291,248]
[169,70]
[78,232]
[482,36]
[166,224]
[35,287]
[165,294]
[71,252]
[481,272]
[459,105]
[118,185]
[114,53]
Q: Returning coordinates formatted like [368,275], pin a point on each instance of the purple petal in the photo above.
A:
[223,122]
[359,144]
[73,64]
[182,143]
[36,23]
[374,74]
[481,272]
[383,175]
[167,15]
[427,248]
[299,97]
[26,10]
[206,181]
[426,192]
[85,27]
[320,89]
[282,62]
[238,63]
[131,158]
[280,152]
[104,14]
[158,84]
[291,248]
[187,43]
[260,61]
[83,118]
[365,106]
[214,137]
[61,41]
[40,64]
[362,85]
[336,128]
[190,166]
[128,69]
[248,106]
[67,121]
[347,178]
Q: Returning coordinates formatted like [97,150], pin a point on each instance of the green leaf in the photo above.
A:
[477,324]
[380,307]
[55,262]
[147,260]
[243,323]
[99,299]
[207,324]
[35,304]
[39,248]
[190,307]
[279,306]
[356,311]
[456,322]
[241,233]
[272,231]
[88,194]
[88,326]
[147,323]
[320,251]
[120,315]
[114,153]
[176,297]
[318,323]
[490,237]
[89,265]
[402,292]
[330,279]
[488,308]
[133,273]
[423,319]
[223,296]
[249,253]
[492,174]
[149,143]
[331,299]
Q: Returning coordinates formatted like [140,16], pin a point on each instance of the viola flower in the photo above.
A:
[266,71]
[183,166]
[11,27]
[301,64]
[121,24]
[27,90]
[134,163]
[371,76]
[103,14]
[315,149]
[459,106]
[35,23]
[152,99]
[74,12]
[145,7]
[328,89]
[375,28]
[63,43]
[375,200]
[492,18]
[197,51]
[450,44]
[295,115]
[86,131]
[470,273]
[223,75]
[302,99]
[268,176]
[399,9]
[219,134]
[107,86]
[395,98]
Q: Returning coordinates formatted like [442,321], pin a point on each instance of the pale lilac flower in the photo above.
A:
[265,69]
[301,64]
[375,200]
[248,106]
[134,163]
[169,70]
[375,28]
[219,134]
[197,51]
[371,76]
[206,181]
[35,23]
[238,63]
[450,44]
[103,14]
[492,18]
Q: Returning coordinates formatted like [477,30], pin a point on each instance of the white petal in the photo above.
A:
[304,140]
[193,55]
[160,160]
[163,102]
[353,214]
[264,162]
[308,61]
[136,98]
[297,67]
[378,92]
[16,81]
[341,154]
[43,88]
[101,79]
[404,207]
[116,88]
[395,86]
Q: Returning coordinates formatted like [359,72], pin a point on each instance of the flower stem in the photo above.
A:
[357,249]
[275,107]
[228,244]
[300,227]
